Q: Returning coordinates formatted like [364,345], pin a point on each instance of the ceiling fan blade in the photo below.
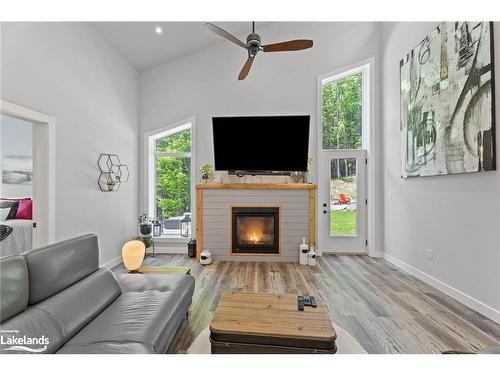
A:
[245,69]
[225,34]
[291,45]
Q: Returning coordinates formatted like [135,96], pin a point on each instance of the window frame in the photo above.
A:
[364,69]
[151,156]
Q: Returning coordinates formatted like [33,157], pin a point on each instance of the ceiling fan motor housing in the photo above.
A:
[253,44]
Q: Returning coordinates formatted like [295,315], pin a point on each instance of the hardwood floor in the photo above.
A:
[384,308]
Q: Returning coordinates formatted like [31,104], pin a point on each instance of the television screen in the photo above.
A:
[260,144]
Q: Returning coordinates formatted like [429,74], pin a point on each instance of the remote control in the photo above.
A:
[313,301]
[300,303]
[307,301]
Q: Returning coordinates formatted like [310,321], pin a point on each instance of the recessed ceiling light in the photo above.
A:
[158,30]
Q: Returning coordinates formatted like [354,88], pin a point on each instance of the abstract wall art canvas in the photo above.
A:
[447,102]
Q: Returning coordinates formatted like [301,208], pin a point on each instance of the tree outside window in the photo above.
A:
[173,178]
[342,113]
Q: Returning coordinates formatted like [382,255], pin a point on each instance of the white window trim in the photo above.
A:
[150,156]
[371,142]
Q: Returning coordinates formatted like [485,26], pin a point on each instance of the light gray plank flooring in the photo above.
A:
[384,308]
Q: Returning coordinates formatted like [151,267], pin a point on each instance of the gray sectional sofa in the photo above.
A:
[56,299]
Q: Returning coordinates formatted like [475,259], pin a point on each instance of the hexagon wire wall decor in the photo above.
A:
[112,172]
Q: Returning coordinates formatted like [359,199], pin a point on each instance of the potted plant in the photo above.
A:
[145,226]
[147,240]
[111,184]
[207,173]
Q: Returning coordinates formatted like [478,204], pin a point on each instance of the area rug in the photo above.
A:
[346,344]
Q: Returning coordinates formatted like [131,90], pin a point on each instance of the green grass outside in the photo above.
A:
[343,223]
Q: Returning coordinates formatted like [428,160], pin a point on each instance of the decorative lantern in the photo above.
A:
[133,254]
[156,229]
[192,248]
[186,226]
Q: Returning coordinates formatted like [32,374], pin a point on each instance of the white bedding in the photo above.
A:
[19,240]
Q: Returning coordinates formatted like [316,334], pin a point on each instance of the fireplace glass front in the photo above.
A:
[255,230]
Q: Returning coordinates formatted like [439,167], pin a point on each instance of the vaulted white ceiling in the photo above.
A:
[144,48]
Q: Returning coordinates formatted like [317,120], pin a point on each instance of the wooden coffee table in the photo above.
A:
[261,323]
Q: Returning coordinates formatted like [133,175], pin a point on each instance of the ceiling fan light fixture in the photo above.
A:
[254,45]
[158,30]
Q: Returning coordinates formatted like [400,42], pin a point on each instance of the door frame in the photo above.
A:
[371,142]
[44,171]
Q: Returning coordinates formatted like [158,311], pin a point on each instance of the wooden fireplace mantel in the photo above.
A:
[254,186]
[258,186]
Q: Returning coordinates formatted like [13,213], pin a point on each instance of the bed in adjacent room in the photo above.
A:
[15,236]
[16,226]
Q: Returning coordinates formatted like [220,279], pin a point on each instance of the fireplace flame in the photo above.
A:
[255,239]
[253,231]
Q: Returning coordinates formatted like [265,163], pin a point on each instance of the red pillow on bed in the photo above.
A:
[25,209]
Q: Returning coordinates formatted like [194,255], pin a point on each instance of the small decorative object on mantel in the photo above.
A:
[207,174]
[112,172]
[145,224]
[298,177]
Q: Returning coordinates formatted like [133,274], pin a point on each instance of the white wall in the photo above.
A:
[69,72]
[456,216]
[204,84]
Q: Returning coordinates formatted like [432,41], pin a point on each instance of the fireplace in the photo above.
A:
[255,230]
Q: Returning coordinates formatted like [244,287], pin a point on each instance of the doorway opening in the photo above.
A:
[28,174]
[344,108]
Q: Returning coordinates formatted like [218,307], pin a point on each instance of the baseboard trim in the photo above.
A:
[112,263]
[460,296]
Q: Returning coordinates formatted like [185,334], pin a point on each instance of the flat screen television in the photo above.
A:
[261,144]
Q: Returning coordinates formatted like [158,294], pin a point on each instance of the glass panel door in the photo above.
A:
[343,197]
[342,222]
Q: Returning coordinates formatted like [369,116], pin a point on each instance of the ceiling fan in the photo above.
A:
[253,45]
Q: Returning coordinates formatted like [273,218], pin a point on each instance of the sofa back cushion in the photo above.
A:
[14,286]
[58,318]
[55,267]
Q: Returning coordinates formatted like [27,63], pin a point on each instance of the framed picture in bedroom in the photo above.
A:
[447,102]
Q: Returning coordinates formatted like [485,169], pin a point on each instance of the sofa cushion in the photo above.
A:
[149,313]
[14,286]
[133,282]
[57,266]
[107,347]
[61,316]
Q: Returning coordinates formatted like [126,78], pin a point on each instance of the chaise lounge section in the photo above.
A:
[59,292]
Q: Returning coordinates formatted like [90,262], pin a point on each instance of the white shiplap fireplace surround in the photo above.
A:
[214,203]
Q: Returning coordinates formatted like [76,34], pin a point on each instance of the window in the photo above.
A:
[16,151]
[342,109]
[170,178]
